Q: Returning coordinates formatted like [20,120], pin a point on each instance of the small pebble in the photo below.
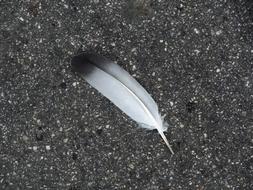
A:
[196,30]
[48,147]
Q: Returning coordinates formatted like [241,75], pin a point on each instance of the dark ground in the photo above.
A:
[194,57]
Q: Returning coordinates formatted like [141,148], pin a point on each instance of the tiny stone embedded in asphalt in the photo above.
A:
[194,57]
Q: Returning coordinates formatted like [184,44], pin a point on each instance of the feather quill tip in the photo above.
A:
[164,127]
[166,142]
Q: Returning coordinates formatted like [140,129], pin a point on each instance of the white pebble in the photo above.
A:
[197,51]
[196,30]
[75,83]
[48,147]
[35,148]
[20,18]
[218,32]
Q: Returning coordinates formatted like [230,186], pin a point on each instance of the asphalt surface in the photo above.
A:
[194,57]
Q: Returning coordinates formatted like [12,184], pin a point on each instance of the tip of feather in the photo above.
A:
[166,141]
[81,63]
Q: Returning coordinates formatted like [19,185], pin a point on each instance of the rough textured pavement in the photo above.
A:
[196,59]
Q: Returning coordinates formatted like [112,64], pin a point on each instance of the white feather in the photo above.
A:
[122,89]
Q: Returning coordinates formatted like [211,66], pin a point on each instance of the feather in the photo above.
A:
[122,89]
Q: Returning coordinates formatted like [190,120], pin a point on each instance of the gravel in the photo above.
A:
[194,57]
